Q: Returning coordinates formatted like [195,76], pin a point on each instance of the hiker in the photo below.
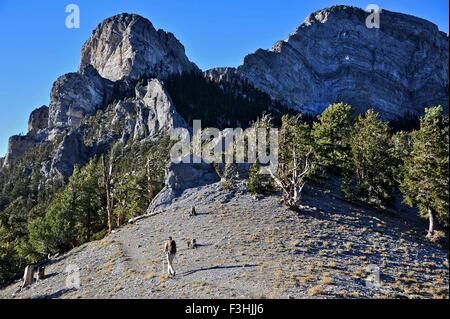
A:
[170,249]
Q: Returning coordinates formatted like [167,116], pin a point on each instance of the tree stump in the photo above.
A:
[28,276]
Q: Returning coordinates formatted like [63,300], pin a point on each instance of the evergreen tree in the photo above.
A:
[8,255]
[426,175]
[400,150]
[74,214]
[372,160]
[332,138]
[256,182]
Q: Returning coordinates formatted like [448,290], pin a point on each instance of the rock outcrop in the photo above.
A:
[38,119]
[127,45]
[179,177]
[333,57]
[75,96]
[18,145]
[70,152]
[401,67]
[150,114]
[221,74]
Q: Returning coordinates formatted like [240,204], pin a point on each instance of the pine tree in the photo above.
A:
[255,183]
[332,138]
[74,214]
[400,150]
[426,174]
[372,160]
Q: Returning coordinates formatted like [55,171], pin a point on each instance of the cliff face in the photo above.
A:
[38,119]
[334,57]
[122,49]
[17,146]
[75,96]
[127,45]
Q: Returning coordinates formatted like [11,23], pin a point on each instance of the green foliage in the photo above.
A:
[73,215]
[401,148]
[332,138]
[221,104]
[138,177]
[295,136]
[254,183]
[372,160]
[8,254]
[426,175]
[258,183]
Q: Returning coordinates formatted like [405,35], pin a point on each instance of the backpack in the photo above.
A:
[173,247]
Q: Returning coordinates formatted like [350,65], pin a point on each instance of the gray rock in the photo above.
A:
[180,177]
[334,57]
[76,95]
[18,145]
[127,45]
[38,119]
[150,114]
[70,152]
[221,74]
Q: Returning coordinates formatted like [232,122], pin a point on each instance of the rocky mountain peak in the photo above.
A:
[334,57]
[128,46]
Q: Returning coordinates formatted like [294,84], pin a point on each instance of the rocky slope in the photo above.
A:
[333,57]
[253,248]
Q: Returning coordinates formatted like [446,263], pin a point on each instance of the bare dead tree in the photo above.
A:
[108,185]
[292,181]
[150,168]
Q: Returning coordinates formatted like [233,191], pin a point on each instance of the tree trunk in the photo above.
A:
[88,226]
[431,224]
[150,186]
[107,184]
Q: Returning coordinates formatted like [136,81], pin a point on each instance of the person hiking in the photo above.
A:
[170,249]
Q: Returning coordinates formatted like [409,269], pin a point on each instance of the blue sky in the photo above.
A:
[37,47]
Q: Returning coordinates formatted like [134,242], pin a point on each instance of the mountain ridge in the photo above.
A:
[333,57]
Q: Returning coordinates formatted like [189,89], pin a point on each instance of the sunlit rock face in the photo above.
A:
[151,114]
[75,96]
[127,45]
[333,57]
